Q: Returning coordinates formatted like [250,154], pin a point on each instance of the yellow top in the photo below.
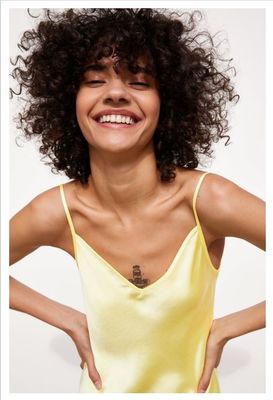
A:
[149,340]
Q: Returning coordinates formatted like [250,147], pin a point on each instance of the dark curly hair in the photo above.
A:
[194,82]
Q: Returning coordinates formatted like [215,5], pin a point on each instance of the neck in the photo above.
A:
[123,184]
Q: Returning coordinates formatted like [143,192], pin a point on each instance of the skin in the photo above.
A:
[125,198]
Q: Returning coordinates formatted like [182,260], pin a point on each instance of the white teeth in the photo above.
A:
[118,119]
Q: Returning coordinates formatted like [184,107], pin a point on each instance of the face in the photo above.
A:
[117,110]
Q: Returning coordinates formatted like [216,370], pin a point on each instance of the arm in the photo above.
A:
[232,212]
[241,322]
[227,210]
[42,222]
[27,300]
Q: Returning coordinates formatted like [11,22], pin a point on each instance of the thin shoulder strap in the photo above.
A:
[195,197]
[69,220]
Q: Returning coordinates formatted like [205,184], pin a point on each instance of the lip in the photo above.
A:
[117,111]
[107,125]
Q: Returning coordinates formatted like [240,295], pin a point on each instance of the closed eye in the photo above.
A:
[139,83]
[95,82]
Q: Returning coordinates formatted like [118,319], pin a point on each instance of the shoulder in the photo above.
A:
[42,222]
[212,183]
[219,197]
[47,206]
[212,186]
[226,209]
[213,189]
[43,218]
[218,200]
[51,199]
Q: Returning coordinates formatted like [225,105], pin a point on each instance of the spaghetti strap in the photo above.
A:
[195,197]
[199,227]
[69,220]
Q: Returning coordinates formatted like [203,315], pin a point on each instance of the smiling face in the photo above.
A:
[117,110]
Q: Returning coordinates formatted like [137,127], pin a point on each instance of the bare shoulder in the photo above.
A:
[46,209]
[214,189]
[219,196]
[226,209]
[40,223]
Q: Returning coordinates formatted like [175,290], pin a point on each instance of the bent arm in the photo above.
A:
[241,322]
[27,300]
[230,211]
[41,222]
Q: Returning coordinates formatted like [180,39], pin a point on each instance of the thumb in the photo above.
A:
[93,373]
[205,378]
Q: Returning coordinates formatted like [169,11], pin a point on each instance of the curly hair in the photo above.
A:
[194,82]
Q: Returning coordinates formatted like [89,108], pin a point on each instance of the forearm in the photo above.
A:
[242,322]
[27,300]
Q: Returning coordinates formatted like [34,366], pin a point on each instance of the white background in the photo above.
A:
[44,359]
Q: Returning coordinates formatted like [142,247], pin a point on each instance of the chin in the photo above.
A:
[117,143]
[117,149]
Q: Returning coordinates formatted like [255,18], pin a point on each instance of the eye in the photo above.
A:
[94,82]
[141,84]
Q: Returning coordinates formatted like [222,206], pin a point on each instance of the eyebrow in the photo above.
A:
[95,67]
[101,67]
[146,69]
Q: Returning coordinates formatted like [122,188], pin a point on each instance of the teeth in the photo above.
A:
[118,119]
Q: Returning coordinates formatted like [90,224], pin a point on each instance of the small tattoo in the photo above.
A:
[137,279]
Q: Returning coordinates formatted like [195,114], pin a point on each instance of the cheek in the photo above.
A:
[80,104]
[82,109]
[78,108]
[85,100]
[154,107]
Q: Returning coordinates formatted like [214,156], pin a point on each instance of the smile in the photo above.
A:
[116,119]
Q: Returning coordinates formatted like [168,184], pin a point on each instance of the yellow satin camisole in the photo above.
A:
[149,340]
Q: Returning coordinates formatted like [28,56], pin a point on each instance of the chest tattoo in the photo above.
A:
[137,279]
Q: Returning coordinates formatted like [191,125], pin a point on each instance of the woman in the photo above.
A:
[125,102]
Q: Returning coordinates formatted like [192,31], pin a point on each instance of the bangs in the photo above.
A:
[124,52]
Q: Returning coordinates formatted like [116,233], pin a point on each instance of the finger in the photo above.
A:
[206,376]
[93,373]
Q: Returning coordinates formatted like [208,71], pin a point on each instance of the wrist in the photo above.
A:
[240,322]
[220,330]
[73,321]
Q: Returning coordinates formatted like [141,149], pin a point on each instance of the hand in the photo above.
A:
[80,336]
[214,349]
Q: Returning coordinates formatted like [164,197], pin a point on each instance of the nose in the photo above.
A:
[116,92]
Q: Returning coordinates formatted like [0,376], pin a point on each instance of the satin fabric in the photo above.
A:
[149,340]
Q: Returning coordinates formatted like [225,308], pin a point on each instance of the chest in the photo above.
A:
[143,249]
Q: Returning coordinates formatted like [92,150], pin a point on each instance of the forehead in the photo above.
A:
[141,63]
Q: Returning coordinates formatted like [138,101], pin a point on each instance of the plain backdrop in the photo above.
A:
[43,358]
